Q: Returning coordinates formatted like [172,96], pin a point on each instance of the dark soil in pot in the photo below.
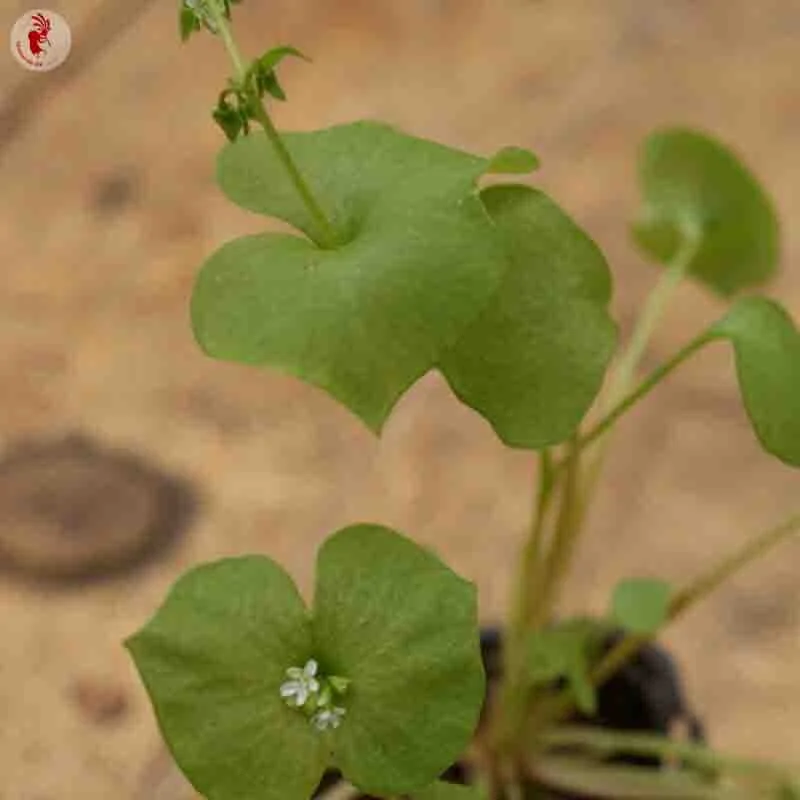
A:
[646,695]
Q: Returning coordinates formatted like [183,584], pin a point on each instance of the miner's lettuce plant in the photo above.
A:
[408,256]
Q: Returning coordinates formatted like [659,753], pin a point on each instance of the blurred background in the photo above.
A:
[120,440]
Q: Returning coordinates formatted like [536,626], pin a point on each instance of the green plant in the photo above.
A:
[403,261]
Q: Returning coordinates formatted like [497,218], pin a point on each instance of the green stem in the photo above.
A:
[556,708]
[564,539]
[512,690]
[532,553]
[752,550]
[327,234]
[623,376]
[608,743]
[643,389]
[654,308]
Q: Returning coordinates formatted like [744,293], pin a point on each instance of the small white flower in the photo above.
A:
[328,718]
[301,685]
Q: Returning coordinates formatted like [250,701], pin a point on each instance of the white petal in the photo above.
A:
[311,668]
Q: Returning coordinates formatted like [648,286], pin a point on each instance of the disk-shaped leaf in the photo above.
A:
[213,659]
[448,791]
[534,360]
[766,344]
[641,605]
[402,627]
[417,259]
[691,182]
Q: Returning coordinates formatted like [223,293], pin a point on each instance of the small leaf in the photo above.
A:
[262,71]
[766,344]
[448,791]
[188,22]
[513,160]
[565,651]
[692,183]
[641,605]
[229,119]
[269,60]
[213,659]
[403,628]
[417,259]
[534,360]
[270,85]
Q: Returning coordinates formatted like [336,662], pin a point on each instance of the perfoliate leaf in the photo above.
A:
[641,605]
[534,360]
[403,628]
[513,160]
[213,659]
[766,345]
[692,183]
[417,259]
[448,791]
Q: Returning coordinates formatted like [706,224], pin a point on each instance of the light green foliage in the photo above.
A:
[213,659]
[534,360]
[566,651]
[641,605]
[417,261]
[766,344]
[389,618]
[692,183]
[513,161]
[403,628]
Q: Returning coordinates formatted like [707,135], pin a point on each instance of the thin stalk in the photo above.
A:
[622,378]
[532,554]
[564,539]
[512,690]
[607,743]
[701,587]
[644,388]
[327,234]
[555,708]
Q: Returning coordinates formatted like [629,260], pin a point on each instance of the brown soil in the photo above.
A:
[108,207]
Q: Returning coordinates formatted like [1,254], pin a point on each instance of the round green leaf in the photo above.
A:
[766,345]
[213,659]
[534,360]
[692,184]
[641,605]
[417,260]
[403,628]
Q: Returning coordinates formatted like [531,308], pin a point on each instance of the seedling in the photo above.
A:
[402,261]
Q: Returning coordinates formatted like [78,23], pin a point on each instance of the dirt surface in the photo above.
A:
[108,206]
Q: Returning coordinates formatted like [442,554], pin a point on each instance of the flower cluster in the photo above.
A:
[315,694]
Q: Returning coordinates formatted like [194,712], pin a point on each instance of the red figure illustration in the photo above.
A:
[39,34]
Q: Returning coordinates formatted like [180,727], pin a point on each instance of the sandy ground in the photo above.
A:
[108,206]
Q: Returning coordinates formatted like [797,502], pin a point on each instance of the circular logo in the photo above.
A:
[40,40]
